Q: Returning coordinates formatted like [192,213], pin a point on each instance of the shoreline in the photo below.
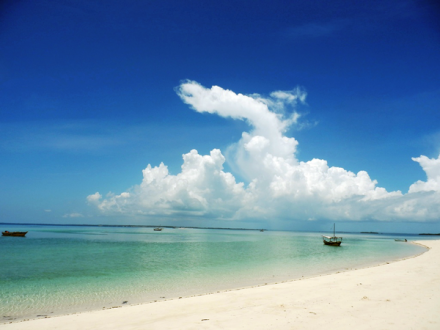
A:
[90,296]
[222,305]
[128,301]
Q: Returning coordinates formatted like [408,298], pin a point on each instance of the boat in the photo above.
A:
[401,240]
[14,233]
[332,240]
[157,229]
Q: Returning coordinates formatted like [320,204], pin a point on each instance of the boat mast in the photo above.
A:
[334,234]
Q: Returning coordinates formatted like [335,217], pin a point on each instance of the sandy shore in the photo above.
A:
[399,295]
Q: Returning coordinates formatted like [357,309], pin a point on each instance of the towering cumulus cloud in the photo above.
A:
[279,185]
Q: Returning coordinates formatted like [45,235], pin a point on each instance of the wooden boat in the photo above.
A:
[332,240]
[157,229]
[14,233]
[401,240]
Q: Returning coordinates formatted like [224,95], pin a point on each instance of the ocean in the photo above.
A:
[66,269]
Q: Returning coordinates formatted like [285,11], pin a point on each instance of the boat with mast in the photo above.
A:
[332,240]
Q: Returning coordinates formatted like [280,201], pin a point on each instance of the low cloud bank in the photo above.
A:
[279,186]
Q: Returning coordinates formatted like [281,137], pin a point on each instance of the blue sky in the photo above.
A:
[92,92]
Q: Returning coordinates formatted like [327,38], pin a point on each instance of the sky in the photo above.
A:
[289,115]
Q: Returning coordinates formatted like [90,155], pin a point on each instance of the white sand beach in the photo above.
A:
[400,295]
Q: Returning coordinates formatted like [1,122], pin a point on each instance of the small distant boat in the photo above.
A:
[157,229]
[14,233]
[332,240]
[401,240]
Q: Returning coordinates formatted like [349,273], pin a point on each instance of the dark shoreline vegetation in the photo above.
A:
[122,226]
[196,227]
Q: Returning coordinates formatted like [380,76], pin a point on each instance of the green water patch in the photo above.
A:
[53,271]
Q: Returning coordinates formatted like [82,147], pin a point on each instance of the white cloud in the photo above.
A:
[73,215]
[432,170]
[95,198]
[202,188]
[279,186]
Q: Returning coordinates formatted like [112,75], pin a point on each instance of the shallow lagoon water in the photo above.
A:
[56,270]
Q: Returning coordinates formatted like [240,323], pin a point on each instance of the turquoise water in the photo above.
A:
[57,270]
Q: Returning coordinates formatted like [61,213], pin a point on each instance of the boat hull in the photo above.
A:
[15,233]
[332,243]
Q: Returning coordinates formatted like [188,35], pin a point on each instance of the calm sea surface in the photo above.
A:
[56,270]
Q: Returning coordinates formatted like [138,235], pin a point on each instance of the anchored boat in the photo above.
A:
[332,240]
[14,233]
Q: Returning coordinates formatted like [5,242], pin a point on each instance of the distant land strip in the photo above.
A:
[120,226]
